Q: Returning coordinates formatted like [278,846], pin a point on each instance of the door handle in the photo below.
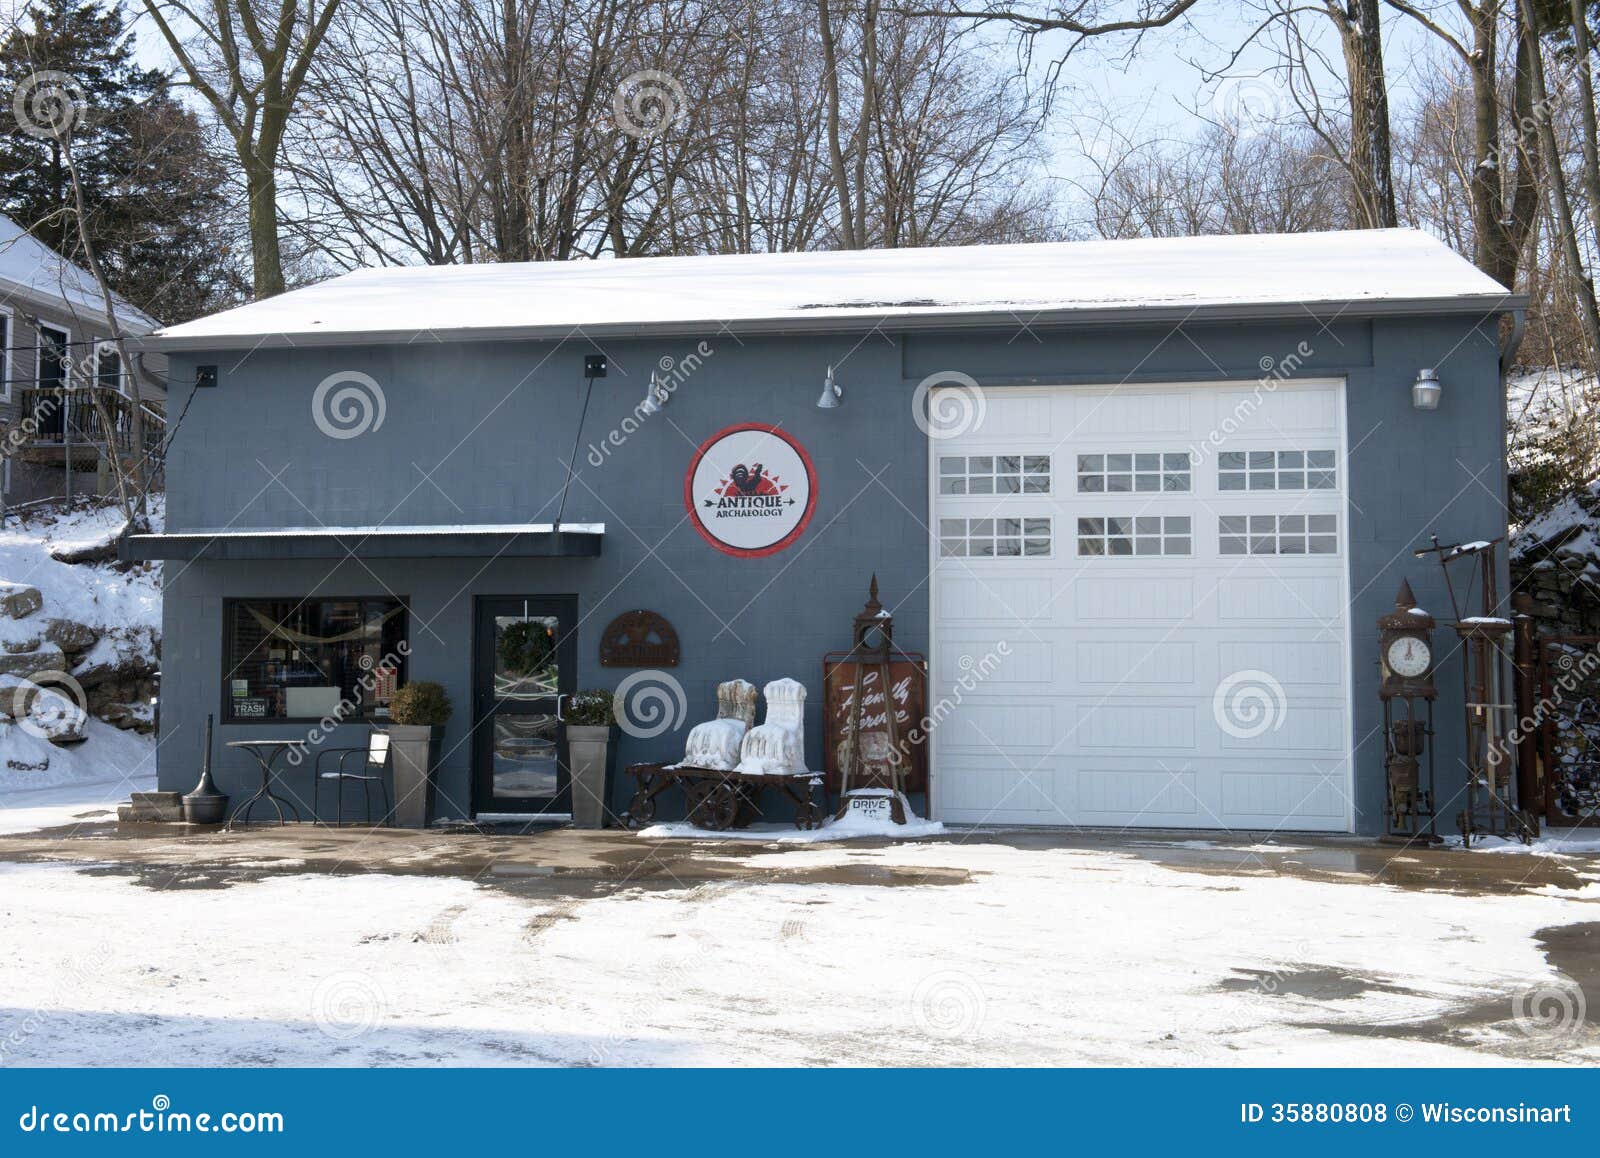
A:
[560,719]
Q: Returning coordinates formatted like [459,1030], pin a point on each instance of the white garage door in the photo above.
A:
[1140,608]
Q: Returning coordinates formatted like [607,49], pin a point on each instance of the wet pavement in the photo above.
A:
[559,869]
[557,857]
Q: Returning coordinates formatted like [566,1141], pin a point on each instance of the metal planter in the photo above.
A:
[592,753]
[413,760]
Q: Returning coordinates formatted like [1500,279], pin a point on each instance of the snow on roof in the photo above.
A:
[31,265]
[1258,273]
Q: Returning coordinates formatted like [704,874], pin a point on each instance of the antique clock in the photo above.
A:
[1405,658]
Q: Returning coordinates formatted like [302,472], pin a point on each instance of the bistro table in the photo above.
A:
[267,754]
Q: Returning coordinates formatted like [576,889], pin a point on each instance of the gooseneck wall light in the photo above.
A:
[831,394]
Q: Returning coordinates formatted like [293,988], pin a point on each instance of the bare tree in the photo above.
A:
[1505,160]
[249,61]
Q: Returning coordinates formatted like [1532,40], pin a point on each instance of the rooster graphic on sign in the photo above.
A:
[749,480]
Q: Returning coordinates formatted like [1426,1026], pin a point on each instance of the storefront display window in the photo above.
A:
[307,659]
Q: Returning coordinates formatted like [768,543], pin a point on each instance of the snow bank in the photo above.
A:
[122,605]
[853,825]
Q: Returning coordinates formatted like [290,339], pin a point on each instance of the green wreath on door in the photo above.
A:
[527,647]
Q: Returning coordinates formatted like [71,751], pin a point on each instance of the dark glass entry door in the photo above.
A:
[525,666]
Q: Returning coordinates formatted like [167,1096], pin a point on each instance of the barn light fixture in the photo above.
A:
[656,395]
[1425,390]
[831,394]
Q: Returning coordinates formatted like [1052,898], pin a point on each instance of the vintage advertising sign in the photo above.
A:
[908,674]
[750,490]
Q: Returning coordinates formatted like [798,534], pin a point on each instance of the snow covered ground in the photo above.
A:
[124,609]
[971,951]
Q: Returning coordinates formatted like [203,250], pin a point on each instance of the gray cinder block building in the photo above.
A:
[1140,503]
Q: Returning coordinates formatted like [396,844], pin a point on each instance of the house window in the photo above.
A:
[1278,534]
[1276,470]
[53,346]
[994,474]
[108,367]
[5,356]
[1124,473]
[306,659]
[50,411]
[1135,535]
[994,538]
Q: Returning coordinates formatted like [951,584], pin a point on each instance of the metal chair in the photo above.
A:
[372,771]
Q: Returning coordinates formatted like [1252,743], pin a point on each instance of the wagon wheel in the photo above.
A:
[717,808]
[805,810]
[694,793]
[641,809]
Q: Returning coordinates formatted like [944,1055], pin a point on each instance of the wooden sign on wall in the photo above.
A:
[908,677]
[639,639]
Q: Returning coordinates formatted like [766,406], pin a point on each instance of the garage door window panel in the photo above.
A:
[994,474]
[1278,534]
[1276,470]
[1142,472]
[995,538]
[1134,535]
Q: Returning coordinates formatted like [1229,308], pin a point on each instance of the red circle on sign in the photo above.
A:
[805,516]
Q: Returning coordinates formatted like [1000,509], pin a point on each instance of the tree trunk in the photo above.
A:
[1560,206]
[841,182]
[1494,256]
[1591,138]
[261,188]
[1371,165]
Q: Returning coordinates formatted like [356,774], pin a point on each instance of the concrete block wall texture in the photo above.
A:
[483,432]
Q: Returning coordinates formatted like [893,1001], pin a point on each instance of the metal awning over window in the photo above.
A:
[513,540]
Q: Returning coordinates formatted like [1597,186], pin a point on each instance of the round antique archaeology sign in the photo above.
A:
[750,490]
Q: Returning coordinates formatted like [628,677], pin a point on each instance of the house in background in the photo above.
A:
[62,377]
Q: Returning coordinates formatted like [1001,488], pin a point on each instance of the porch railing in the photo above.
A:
[57,418]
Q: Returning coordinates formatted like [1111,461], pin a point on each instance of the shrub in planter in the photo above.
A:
[423,704]
[419,711]
[591,709]
[592,753]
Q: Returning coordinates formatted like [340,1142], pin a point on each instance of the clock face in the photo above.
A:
[1409,657]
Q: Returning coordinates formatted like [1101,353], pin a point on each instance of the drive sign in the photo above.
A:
[750,490]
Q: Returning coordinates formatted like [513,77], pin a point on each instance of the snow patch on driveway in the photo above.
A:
[1055,956]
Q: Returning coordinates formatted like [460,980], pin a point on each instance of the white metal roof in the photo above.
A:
[32,267]
[1244,276]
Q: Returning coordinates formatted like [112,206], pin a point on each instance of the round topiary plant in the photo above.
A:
[423,703]
[591,709]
